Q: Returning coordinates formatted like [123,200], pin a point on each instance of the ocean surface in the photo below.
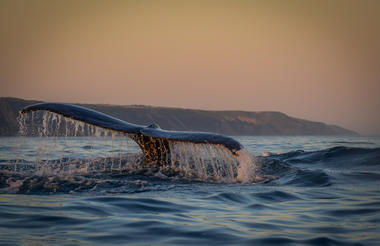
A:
[91,191]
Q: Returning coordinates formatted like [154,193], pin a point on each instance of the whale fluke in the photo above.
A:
[153,140]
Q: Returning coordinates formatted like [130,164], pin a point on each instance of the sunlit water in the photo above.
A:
[85,190]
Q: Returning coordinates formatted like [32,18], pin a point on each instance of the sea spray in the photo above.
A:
[248,168]
[193,161]
[203,161]
[58,137]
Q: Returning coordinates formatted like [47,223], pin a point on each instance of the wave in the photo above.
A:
[126,174]
[306,178]
[291,241]
[353,142]
[348,155]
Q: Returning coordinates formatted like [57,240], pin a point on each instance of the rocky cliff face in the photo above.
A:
[224,122]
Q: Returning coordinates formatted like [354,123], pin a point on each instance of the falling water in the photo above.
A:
[118,152]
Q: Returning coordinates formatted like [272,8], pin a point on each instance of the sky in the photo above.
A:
[316,60]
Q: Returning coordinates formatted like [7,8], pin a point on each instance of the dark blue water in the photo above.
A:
[311,191]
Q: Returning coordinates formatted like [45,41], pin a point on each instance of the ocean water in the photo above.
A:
[92,191]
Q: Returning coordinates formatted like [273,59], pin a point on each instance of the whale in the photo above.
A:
[153,141]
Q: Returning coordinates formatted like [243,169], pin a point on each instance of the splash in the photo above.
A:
[191,161]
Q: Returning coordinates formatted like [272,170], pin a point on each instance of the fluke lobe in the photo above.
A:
[153,141]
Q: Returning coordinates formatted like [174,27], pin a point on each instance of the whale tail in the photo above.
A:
[153,141]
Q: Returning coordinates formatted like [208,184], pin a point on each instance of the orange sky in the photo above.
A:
[317,60]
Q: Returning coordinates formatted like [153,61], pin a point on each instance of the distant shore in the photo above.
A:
[237,123]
